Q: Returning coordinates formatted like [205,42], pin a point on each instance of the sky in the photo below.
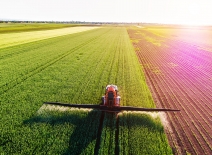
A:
[189,12]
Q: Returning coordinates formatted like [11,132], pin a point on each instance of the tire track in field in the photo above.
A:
[6,87]
[98,140]
[117,149]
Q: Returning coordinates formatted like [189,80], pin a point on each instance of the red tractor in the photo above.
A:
[110,103]
[111,98]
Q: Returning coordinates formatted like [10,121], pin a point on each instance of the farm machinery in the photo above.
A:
[110,103]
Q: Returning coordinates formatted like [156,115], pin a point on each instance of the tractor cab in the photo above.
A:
[111,97]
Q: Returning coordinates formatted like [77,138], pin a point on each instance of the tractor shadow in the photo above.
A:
[88,127]
[85,123]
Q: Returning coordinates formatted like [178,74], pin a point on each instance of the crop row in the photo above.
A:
[140,133]
[174,85]
[116,129]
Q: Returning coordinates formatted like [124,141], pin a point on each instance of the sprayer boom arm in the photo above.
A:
[109,109]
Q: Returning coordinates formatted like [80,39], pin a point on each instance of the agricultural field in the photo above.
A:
[23,27]
[177,63]
[74,68]
[11,39]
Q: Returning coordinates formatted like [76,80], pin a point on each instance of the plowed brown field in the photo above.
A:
[178,68]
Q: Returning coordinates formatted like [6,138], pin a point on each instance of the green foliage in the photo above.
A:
[71,69]
[107,145]
[141,134]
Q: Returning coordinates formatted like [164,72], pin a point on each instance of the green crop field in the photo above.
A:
[23,27]
[11,39]
[74,68]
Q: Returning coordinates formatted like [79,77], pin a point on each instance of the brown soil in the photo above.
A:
[179,74]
